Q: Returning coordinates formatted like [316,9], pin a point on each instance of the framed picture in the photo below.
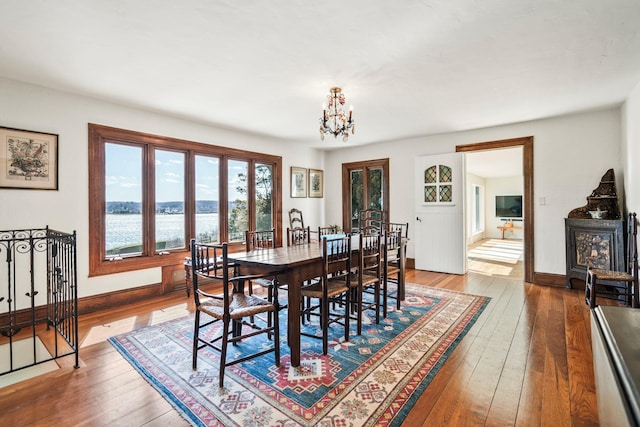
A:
[28,160]
[316,182]
[298,182]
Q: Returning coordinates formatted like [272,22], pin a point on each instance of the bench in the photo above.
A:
[508,226]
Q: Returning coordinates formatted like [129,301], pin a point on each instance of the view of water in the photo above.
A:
[124,230]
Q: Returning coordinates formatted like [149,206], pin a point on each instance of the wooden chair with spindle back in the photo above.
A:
[617,284]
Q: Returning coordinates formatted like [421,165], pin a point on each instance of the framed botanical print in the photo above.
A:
[28,160]
[298,182]
[316,183]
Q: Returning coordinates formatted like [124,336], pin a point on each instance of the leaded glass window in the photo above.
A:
[437,184]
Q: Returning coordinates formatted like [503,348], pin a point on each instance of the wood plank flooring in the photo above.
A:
[526,362]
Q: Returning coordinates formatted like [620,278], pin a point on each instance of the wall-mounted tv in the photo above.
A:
[509,206]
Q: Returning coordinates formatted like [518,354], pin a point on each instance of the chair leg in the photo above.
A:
[359,310]
[324,316]
[223,351]
[270,299]
[347,304]
[276,326]
[196,330]
[377,303]
[590,290]
[385,290]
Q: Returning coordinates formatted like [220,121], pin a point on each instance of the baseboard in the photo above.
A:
[118,298]
[548,279]
[545,279]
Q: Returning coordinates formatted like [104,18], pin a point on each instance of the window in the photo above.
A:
[123,199]
[170,200]
[207,178]
[478,209]
[149,195]
[365,185]
[237,189]
[437,184]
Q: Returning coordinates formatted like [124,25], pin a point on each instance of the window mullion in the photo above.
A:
[149,201]
[251,195]
[190,195]
[223,206]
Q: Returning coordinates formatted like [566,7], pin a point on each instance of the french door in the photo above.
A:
[365,185]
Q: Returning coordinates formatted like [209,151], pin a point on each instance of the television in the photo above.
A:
[509,206]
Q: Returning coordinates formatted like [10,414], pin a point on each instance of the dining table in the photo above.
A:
[293,266]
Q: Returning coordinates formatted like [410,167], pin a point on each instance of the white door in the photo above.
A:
[439,206]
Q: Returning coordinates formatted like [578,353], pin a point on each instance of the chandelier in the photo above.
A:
[334,119]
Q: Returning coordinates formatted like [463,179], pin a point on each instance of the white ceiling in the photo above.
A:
[409,68]
[505,162]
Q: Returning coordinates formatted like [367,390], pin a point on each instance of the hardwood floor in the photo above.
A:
[526,362]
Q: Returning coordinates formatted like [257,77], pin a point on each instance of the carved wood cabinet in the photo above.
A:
[595,242]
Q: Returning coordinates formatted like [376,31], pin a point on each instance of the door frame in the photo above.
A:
[526,143]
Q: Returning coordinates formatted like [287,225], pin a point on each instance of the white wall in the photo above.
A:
[571,153]
[507,186]
[34,108]
[631,150]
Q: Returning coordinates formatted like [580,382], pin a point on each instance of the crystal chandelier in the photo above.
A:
[334,119]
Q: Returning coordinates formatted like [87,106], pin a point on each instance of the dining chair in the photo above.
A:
[295,219]
[368,277]
[616,284]
[390,268]
[370,221]
[333,285]
[394,231]
[261,240]
[328,230]
[298,236]
[232,308]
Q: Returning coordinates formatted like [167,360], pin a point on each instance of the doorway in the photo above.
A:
[494,216]
[525,145]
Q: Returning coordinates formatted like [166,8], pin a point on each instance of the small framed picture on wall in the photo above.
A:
[316,183]
[298,182]
[28,160]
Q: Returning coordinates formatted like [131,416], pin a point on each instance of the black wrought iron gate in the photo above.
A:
[38,286]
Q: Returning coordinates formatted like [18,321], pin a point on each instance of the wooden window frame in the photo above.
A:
[346,186]
[99,135]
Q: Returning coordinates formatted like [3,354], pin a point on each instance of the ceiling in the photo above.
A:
[409,68]
[500,163]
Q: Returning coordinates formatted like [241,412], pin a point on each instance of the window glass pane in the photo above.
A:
[445,173]
[375,189]
[430,193]
[430,175]
[476,203]
[445,193]
[170,219]
[357,197]
[264,199]
[207,199]
[237,188]
[123,197]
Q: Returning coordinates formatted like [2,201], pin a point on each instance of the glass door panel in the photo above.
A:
[207,209]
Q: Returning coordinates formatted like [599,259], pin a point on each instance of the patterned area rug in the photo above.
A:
[374,379]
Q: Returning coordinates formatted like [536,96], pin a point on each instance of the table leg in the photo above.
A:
[293,323]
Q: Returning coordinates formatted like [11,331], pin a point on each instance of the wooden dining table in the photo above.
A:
[294,265]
